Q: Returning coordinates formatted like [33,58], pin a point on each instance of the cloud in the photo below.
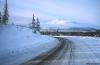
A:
[57,22]
[1,5]
[21,13]
[80,11]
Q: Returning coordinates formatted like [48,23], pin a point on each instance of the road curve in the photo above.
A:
[61,56]
[77,51]
[73,51]
[56,56]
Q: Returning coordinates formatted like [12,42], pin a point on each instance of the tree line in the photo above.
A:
[4,19]
[35,24]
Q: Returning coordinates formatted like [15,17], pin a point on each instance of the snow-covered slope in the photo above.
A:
[19,44]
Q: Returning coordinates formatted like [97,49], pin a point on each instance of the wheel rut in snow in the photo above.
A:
[56,56]
[62,56]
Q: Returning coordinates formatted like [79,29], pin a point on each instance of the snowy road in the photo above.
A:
[57,58]
[76,51]
[17,48]
[85,50]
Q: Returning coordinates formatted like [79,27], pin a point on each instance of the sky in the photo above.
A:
[55,13]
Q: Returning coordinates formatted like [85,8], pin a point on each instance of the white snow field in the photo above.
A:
[19,44]
[85,50]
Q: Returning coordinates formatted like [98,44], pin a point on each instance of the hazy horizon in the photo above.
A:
[55,13]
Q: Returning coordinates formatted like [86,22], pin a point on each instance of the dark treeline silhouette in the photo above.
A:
[4,17]
[98,32]
[35,24]
[0,18]
[38,25]
[58,33]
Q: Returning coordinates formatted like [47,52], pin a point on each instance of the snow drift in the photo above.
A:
[19,44]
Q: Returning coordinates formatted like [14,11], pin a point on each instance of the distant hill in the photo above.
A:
[80,30]
[71,30]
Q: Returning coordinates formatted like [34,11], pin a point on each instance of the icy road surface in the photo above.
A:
[76,50]
[85,50]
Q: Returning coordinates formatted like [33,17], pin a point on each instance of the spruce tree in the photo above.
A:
[5,16]
[38,25]
[33,24]
[0,18]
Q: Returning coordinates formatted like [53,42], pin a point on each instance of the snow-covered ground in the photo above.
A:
[19,44]
[85,50]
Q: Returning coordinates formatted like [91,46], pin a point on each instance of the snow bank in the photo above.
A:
[84,38]
[19,44]
[87,39]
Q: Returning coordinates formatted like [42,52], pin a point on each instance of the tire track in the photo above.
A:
[57,57]
[41,57]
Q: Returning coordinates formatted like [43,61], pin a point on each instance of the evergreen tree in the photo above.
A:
[33,24]
[5,16]
[38,25]
[0,18]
